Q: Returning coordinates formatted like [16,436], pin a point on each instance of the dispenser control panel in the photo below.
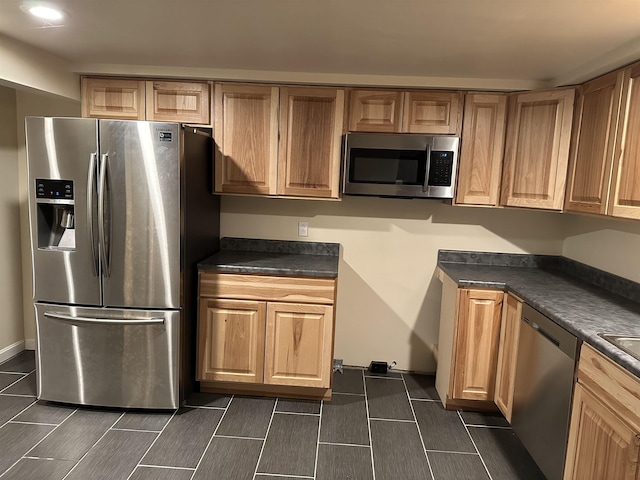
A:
[54,189]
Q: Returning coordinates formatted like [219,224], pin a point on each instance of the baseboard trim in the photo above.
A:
[30,344]
[11,351]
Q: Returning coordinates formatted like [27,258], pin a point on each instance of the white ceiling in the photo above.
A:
[555,41]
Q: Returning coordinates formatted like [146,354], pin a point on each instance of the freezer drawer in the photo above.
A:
[108,357]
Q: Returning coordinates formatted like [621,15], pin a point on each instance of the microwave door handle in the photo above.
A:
[425,185]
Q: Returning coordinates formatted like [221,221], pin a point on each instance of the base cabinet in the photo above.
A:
[604,433]
[508,354]
[248,333]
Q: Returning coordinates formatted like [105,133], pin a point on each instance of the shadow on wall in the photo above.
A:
[368,329]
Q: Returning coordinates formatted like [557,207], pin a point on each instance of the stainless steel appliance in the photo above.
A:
[400,165]
[543,390]
[120,213]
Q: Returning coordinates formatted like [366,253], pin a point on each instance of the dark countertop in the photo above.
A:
[274,257]
[582,308]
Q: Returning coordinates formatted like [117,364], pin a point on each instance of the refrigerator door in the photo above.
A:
[62,207]
[139,207]
[108,357]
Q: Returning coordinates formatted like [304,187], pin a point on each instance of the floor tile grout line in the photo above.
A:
[34,423]
[299,413]
[215,430]
[413,412]
[164,467]
[383,378]
[150,446]
[18,395]
[424,399]
[474,445]
[366,404]
[499,427]
[283,475]
[266,435]
[392,420]
[37,443]
[134,430]
[237,437]
[428,450]
[204,407]
[352,394]
[92,447]
[12,384]
[345,444]
[315,467]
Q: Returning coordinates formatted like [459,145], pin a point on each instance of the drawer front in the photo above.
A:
[268,288]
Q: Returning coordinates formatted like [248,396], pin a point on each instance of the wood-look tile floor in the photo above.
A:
[375,428]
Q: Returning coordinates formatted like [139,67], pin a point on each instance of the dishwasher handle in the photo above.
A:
[551,331]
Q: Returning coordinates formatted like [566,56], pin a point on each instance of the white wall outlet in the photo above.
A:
[303,229]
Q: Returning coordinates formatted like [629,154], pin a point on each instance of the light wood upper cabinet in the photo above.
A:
[299,345]
[231,340]
[604,438]
[246,133]
[309,156]
[537,149]
[483,136]
[625,201]
[113,98]
[375,110]
[507,354]
[178,102]
[593,142]
[437,112]
[477,337]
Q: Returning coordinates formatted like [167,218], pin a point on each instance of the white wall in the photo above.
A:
[388,297]
[608,244]
[25,67]
[29,103]
[11,326]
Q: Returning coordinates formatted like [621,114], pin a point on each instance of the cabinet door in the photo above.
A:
[589,177]
[476,344]
[299,346]
[311,121]
[537,149]
[375,111]
[507,354]
[113,98]
[601,445]
[626,189]
[178,102]
[482,140]
[432,112]
[231,340]
[246,133]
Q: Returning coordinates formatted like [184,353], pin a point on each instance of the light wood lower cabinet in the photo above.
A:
[507,354]
[604,438]
[249,334]
[468,345]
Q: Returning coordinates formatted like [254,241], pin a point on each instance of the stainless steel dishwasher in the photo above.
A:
[543,389]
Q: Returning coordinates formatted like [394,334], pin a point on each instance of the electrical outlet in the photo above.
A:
[303,229]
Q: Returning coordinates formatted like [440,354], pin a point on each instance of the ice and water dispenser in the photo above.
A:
[56,215]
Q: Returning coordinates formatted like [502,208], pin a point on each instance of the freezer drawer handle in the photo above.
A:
[107,321]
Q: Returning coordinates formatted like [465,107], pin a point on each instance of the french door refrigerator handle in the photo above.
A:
[104,159]
[91,186]
[105,321]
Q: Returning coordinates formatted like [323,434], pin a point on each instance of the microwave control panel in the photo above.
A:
[440,168]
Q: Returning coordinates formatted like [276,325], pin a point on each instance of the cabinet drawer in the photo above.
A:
[268,288]
[611,383]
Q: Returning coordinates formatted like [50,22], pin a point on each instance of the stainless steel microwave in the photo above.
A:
[400,165]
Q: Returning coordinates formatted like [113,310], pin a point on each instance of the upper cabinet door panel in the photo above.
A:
[178,102]
[375,111]
[113,98]
[246,133]
[482,147]
[626,191]
[593,144]
[432,112]
[309,160]
[537,149]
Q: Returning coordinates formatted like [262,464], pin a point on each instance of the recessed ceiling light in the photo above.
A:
[43,11]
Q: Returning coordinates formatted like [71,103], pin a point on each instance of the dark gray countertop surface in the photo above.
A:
[274,257]
[581,308]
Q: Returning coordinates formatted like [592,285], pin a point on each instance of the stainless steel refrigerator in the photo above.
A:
[120,212]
